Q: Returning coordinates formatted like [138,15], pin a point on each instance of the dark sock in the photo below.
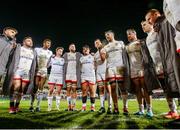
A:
[92,100]
[11,104]
[84,99]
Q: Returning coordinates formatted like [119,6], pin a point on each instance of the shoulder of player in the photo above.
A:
[37,48]
[49,51]
[119,42]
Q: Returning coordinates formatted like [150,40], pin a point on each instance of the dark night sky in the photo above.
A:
[78,21]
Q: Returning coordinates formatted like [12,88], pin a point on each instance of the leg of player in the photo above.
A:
[34,92]
[139,96]
[147,98]
[114,96]
[124,96]
[84,95]
[58,95]
[172,114]
[14,95]
[40,93]
[92,89]
[69,86]
[102,96]
[22,91]
[109,98]
[74,96]
[50,95]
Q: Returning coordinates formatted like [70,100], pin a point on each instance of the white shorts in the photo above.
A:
[71,78]
[115,73]
[159,69]
[55,80]
[137,73]
[91,80]
[22,75]
[42,73]
[100,77]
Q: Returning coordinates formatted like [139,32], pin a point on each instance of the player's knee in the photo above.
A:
[74,90]
[112,83]
[84,93]
[101,90]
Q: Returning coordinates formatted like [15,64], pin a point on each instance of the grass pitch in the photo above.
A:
[83,120]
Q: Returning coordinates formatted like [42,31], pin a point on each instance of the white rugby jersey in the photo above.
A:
[26,58]
[57,64]
[87,66]
[152,44]
[43,56]
[114,53]
[100,67]
[71,67]
[135,56]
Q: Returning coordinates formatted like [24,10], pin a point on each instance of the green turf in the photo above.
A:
[93,120]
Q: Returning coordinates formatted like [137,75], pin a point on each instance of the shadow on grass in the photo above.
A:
[175,124]
[16,123]
[131,123]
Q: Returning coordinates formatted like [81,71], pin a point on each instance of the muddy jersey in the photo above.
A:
[114,54]
[100,66]
[135,56]
[43,56]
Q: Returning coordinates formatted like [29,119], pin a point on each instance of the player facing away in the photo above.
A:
[88,78]
[115,70]
[56,77]
[72,75]
[43,56]
[23,72]
[100,66]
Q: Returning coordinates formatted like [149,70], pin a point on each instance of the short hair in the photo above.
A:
[59,48]
[97,39]
[28,37]
[152,11]
[103,42]
[86,46]
[10,28]
[71,44]
[109,31]
[47,39]
[143,21]
[131,30]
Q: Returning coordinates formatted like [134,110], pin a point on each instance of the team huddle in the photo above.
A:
[138,67]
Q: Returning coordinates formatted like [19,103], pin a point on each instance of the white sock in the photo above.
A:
[84,105]
[73,100]
[50,98]
[102,98]
[125,101]
[109,100]
[93,105]
[141,108]
[58,101]
[69,100]
[39,98]
[149,107]
[172,105]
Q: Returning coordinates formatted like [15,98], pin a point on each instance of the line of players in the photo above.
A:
[131,68]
